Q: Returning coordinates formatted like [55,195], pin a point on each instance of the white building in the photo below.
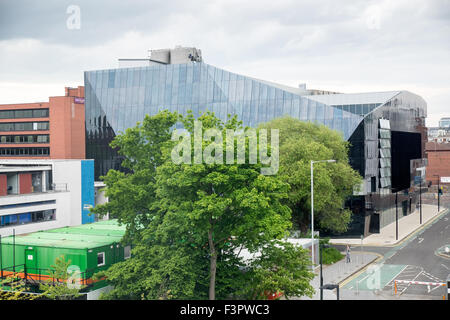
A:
[45,194]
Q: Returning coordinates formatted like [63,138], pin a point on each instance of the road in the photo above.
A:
[414,260]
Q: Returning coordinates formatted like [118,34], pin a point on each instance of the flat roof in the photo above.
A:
[354,98]
[4,169]
[86,236]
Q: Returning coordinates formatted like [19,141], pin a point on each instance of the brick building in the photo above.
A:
[44,130]
[438,161]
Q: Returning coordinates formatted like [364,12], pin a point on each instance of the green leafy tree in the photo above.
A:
[130,196]
[63,288]
[282,268]
[221,206]
[301,142]
[188,222]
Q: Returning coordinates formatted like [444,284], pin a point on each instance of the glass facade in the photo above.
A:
[444,123]
[118,98]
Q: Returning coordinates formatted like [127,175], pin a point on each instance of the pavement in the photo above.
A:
[418,255]
[407,226]
[417,258]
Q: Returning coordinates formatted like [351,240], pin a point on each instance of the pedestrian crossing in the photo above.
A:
[413,273]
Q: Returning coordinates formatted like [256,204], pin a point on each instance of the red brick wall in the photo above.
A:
[3,185]
[67,131]
[438,164]
[25,183]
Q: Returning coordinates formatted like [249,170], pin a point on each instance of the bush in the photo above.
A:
[331,255]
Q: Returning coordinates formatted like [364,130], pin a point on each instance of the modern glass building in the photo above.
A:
[444,123]
[385,129]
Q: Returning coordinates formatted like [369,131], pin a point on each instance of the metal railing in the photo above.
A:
[37,276]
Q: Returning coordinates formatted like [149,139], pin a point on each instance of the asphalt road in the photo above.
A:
[413,260]
[419,255]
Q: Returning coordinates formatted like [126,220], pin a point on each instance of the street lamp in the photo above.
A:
[420,199]
[439,190]
[396,215]
[312,206]
[420,190]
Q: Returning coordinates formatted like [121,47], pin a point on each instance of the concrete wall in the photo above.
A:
[75,187]
[69,172]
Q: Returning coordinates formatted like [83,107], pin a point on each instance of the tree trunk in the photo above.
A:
[213,266]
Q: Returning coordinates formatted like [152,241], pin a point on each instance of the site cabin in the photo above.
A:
[90,248]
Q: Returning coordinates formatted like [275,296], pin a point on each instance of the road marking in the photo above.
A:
[445,266]
[396,275]
[410,284]
[420,240]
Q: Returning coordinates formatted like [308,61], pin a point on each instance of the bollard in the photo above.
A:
[448,287]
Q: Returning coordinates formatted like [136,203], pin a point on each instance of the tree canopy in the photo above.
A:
[301,142]
[188,222]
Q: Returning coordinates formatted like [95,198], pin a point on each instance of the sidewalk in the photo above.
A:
[406,226]
[338,272]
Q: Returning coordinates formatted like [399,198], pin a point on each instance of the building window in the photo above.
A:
[100,259]
[26,218]
[24,126]
[24,113]
[25,139]
[127,252]
[20,152]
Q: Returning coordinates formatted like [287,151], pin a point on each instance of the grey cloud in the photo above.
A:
[329,42]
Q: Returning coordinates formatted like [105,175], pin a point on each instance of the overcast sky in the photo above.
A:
[345,46]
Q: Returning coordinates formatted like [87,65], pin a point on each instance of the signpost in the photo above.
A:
[78,100]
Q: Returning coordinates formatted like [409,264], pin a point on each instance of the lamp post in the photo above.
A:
[312,206]
[420,199]
[439,190]
[396,215]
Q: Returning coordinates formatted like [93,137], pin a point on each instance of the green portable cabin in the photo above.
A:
[89,247]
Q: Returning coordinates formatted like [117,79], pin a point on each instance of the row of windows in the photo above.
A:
[362,109]
[24,126]
[45,138]
[29,113]
[25,218]
[26,204]
[5,152]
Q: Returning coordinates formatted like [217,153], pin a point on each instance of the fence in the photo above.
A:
[36,276]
